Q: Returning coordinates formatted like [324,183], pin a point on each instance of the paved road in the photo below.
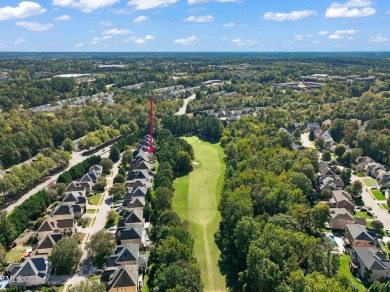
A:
[77,157]
[85,268]
[183,109]
[380,213]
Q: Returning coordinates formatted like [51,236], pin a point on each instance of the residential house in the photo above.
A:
[67,211]
[97,169]
[384,177]
[75,187]
[326,171]
[329,183]
[362,162]
[89,177]
[143,165]
[357,235]
[74,198]
[46,244]
[124,255]
[66,226]
[32,272]
[134,192]
[342,199]
[341,217]
[374,169]
[130,233]
[121,279]
[129,217]
[371,264]
[312,126]
[135,203]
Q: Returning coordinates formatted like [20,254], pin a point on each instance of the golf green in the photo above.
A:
[196,200]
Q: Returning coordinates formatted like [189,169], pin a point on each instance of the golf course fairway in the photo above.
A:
[196,200]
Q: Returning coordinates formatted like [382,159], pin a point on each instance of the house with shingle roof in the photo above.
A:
[34,271]
[124,255]
[68,211]
[135,203]
[123,279]
[371,264]
[97,169]
[46,244]
[76,187]
[342,199]
[130,233]
[129,217]
[50,225]
[74,198]
[357,235]
[341,217]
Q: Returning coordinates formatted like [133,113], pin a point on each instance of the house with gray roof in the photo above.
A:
[68,211]
[342,199]
[76,187]
[341,217]
[50,225]
[357,235]
[74,198]
[371,264]
[97,169]
[46,244]
[130,233]
[129,217]
[34,271]
[135,203]
[124,255]
[125,278]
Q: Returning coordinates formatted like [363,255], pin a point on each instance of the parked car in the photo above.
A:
[113,228]
[388,232]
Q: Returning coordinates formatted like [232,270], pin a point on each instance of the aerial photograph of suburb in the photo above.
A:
[195,145]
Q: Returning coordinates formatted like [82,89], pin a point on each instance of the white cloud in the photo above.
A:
[62,18]
[387,12]
[335,37]
[378,39]
[309,35]
[23,10]
[140,19]
[106,23]
[347,31]
[241,42]
[19,41]
[95,41]
[142,41]
[352,8]
[230,24]
[85,5]
[324,32]
[115,31]
[299,37]
[197,1]
[79,45]
[149,4]
[315,42]
[204,18]
[187,41]
[294,15]
[35,26]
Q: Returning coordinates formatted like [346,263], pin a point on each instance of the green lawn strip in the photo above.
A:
[145,288]
[365,215]
[14,255]
[196,200]
[94,278]
[384,206]
[344,270]
[369,182]
[95,199]
[360,174]
[378,195]
[91,211]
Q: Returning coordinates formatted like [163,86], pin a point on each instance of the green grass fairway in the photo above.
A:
[196,200]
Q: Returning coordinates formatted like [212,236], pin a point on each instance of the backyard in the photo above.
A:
[344,270]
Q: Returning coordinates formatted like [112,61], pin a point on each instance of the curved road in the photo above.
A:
[77,157]
[183,109]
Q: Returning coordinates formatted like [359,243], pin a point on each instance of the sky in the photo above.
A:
[194,25]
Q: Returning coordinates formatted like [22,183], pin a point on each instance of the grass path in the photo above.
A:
[196,200]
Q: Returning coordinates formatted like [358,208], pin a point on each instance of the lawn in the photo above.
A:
[344,270]
[360,174]
[95,200]
[14,255]
[381,231]
[91,211]
[360,214]
[369,182]
[378,195]
[196,200]
[384,206]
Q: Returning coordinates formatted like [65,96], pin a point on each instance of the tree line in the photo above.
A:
[22,215]
[22,178]
[173,264]
[269,233]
